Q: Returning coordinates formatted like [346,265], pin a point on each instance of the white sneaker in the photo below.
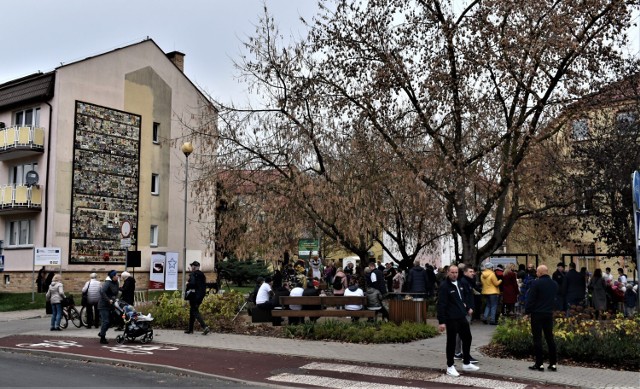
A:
[470,367]
[451,370]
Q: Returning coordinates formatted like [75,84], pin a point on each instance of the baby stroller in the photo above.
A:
[135,324]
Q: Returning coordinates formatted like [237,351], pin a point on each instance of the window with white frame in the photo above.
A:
[155,184]
[153,237]
[156,132]
[580,129]
[20,232]
[18,173]
[27,117]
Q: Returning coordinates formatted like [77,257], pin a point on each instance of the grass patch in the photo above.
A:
[21,301]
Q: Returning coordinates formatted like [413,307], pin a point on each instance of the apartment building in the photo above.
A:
[90,147]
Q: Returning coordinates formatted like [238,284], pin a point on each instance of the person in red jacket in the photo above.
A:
[510,289]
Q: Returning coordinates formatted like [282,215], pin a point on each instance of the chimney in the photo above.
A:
[177,58]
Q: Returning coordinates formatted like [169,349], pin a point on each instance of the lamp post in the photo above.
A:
[187,149]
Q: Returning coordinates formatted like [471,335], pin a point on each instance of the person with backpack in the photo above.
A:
[340,282]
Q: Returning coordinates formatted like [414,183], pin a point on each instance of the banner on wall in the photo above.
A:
[171,274]
[157,270]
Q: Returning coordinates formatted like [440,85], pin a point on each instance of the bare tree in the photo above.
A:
[472,90]
[455,95]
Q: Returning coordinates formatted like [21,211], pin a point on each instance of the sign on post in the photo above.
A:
[308,248]
[47,256]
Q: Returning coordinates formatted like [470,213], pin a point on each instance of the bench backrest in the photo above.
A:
[323,300]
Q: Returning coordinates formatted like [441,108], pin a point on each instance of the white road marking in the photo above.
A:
[51,344]
[408,374]
[327,382]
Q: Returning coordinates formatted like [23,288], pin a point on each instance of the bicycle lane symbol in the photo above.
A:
[139,349]
[65,344]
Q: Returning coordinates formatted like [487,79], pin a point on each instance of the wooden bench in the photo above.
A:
[328,304]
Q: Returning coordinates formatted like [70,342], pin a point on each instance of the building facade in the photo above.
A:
[89,148]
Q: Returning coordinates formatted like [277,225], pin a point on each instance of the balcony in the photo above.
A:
[18,142]
[20,199]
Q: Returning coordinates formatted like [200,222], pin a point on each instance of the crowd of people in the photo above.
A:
[98,298]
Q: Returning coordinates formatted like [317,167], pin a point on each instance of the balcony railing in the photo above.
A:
[20,197]
[21,138]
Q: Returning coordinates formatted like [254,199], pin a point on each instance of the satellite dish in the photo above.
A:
[32,177]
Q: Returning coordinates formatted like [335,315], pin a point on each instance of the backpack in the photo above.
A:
[337,283]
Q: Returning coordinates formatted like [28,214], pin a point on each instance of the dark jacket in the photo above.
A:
[380,283]
[468,286]
[128,289]
[450,305]
[311,291]
[558,277]
[573,286]
[374,298]
[198,282]
[541,296]
[277,293]
[108,291]
[417,280]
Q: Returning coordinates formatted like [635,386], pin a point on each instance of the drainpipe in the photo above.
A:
[46,184]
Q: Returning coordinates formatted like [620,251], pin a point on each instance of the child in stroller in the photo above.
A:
[135,324]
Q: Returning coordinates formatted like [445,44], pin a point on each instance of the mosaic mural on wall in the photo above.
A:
[105,183]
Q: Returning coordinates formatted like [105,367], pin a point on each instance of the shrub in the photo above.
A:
[171,311]
[361,332]
[612,342]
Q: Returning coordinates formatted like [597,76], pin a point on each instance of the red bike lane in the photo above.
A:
[269,369]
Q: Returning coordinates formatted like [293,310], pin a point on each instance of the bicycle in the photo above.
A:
[69,311]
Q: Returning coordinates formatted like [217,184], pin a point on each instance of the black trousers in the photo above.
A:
[93,318]
[458,327]
[542,323]
[194,314]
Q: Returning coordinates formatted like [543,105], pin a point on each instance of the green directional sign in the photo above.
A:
[308,248]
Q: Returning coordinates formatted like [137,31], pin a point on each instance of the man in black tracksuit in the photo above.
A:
[454,304]
[539,306]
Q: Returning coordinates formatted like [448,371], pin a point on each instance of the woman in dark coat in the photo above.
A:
[510,289]
[598,289]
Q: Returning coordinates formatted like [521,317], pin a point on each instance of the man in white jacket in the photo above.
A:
[92,289]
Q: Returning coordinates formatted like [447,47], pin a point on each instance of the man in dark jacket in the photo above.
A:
[376,279]
[454,304]
[558,277]
[197,289]
[573,287]
[108,296]
[417,279]
[467,283]
[539,306]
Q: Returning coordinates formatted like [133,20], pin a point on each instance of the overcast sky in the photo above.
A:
[37,35]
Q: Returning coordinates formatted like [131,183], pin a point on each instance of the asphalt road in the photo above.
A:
[29,370]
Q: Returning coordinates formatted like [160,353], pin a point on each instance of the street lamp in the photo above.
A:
[187,149]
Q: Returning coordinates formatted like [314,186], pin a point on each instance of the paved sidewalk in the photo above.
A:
[428,353]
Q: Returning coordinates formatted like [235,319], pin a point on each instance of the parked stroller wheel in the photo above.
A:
[120,339]
[150,336]
[144,339]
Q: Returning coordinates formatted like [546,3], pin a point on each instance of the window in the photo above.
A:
[18,173]
[580,129]
[156,131]
[155,184]
[626,122]
[153,237]
[20,233]
[28,117]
